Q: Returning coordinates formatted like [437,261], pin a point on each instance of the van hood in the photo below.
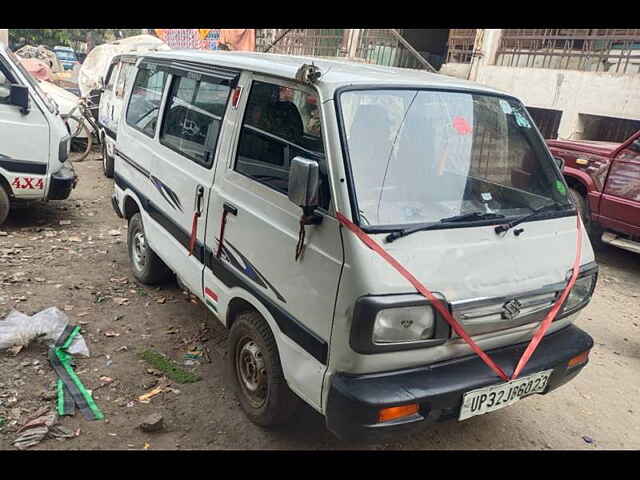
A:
[475,262]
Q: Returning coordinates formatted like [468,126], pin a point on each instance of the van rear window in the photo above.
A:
[144,103]
[193,116]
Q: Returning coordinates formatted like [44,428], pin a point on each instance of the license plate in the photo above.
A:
[488,399]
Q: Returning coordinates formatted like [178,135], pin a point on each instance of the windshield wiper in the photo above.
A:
[465,217]
[535,212]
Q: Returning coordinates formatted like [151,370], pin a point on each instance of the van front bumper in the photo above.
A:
[62,182]
[355,400]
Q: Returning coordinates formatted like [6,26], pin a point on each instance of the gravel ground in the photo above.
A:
[72,255]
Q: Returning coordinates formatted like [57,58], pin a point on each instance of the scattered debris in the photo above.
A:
[35,428]
[146,398]
[170,368]
[18,330]
[114,233]
[587,439]
[152,423]
[111,333]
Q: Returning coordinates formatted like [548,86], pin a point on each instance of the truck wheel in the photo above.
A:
[4,205]
[148,268]
[593,229]
[256,372]
[107,161]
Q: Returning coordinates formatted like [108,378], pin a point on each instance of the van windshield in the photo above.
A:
[418,156]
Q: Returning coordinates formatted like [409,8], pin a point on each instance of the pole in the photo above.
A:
[415,53]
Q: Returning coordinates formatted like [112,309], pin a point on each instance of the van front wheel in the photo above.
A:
[148,268]
[257,375]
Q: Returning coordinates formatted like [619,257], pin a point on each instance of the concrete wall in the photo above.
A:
[571,91]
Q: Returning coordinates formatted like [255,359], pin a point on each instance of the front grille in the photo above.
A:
[486,315]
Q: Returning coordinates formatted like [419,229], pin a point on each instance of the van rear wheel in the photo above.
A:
[257,375]
[148,268]
[4,204]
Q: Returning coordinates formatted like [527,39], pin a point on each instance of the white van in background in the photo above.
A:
[34,140]
[275,187]
[111,100]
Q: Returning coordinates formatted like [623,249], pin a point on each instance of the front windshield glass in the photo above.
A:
[50,104]
[418,156]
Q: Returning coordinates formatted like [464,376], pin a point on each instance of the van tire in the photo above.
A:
[251,338]
[107,161]
[147,267]
[5,204]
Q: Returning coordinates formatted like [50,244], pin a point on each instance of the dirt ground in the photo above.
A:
[72,254]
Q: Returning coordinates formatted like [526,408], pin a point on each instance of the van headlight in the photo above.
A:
[580,294]
[406,324]
[396,322]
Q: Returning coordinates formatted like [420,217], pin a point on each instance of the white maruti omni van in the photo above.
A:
[34,140]
[236,171]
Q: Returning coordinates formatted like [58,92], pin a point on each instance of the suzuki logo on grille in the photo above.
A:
[511,309]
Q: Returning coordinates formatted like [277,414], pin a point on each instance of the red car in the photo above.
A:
[604,181]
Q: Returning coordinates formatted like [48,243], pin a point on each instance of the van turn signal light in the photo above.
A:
[578,359]
[391,413]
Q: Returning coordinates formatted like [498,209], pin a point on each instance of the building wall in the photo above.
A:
[571,91]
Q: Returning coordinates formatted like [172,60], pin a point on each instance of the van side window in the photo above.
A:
[113,73]
[125,72]
[192,120]
[280,123]
[144,103]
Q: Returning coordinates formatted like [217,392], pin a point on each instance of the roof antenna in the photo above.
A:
[308,73]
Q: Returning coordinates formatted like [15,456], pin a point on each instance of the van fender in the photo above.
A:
[302,372]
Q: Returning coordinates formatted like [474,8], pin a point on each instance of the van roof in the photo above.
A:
[335,72]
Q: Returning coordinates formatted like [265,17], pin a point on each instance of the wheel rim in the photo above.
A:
[139,250]
[251,371]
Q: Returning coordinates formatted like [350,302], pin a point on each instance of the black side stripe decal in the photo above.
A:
[109,132]
[135,165]
[20,166]
[290,326]
[169,195]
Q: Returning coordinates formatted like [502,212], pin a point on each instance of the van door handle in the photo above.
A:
[230,208]
[199,194]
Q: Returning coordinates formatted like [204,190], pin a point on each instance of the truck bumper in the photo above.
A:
[355,400]
[62,182]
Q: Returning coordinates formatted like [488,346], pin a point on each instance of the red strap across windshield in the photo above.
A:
[444,311]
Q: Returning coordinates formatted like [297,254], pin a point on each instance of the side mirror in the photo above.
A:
[304,184]
[19,97]
[635,146]
[560,162]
